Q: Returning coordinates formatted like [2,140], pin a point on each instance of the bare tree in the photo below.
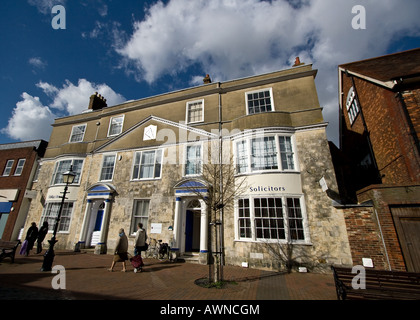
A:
[223,187]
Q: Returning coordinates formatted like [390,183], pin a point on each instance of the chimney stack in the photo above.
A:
[97,102]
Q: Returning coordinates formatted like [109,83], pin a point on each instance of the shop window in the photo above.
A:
[51,212]
[270,218]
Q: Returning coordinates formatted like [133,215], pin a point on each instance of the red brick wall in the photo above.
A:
[384,197]
[15,182]
[389,131]
[412,101]
[364,237]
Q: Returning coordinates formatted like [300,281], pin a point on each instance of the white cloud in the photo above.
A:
[45,6]
[37,63]
[74,99]
[31,119]
[235,38]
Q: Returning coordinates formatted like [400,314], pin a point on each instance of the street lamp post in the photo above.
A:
[68,178]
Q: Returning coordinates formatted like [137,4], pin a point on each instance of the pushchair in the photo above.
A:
[137,263]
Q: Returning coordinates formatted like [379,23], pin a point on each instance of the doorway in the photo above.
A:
[193,226]
[192,231]
[95,225]
[407,223]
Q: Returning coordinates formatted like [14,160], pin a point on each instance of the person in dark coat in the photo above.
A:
[121,251]
[41,236]
[31,237]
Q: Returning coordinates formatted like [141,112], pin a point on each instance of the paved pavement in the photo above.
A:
[87,278]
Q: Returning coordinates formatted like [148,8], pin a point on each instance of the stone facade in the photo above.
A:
[152,171]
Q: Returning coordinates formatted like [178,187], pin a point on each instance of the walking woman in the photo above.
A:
[121,251]
[31,237]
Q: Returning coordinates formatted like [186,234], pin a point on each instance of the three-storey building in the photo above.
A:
[143,161]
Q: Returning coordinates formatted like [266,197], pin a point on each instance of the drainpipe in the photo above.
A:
[221,210]
[383,240]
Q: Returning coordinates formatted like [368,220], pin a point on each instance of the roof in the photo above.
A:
[25,144]
[404,64]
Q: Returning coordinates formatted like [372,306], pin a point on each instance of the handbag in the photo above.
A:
[23,248]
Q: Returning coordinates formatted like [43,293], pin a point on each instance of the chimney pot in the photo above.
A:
[297,62]
[207,79]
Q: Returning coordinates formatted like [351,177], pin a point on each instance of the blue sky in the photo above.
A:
[132,49]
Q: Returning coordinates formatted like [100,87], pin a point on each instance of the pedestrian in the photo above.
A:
[31,236]
[41,236]
[121,251]
[141,237]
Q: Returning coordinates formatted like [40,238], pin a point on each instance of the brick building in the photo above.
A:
[379,163]
[19,163]
[144,161]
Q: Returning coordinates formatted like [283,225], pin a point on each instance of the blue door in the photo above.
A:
[98,222]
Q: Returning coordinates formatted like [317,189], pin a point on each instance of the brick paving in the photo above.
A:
[87,278]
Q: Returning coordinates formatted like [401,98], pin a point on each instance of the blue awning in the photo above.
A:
[5,207]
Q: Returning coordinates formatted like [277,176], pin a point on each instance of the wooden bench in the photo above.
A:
[380,285]
[8,249]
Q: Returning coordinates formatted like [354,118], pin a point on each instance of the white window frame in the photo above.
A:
[143,217]
[352,105]
[102,166]
[74,134]
[75,170]
[286,220]
[65,219]
[270,90]
[157,160]
[188,110]
[19,167]
[248,156]
[122,117]
[8,168]
[201,146]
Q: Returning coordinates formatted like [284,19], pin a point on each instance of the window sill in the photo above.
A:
[267,172]
[300,242]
